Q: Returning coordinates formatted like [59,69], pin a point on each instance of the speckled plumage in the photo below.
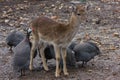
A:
[21,56]
[86,51]
[14,38]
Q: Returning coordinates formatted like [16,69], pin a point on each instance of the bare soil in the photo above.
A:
[102,27]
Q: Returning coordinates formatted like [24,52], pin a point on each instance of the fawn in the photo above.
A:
[60,35]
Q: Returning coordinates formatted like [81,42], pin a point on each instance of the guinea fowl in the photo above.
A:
[21,56]
[14,38]
[86,51]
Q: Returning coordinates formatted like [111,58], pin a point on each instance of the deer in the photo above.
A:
[46,30]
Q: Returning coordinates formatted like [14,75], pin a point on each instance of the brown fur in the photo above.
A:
[47,30]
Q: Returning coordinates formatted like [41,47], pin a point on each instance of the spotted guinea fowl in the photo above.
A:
[14,38]
[86,51]
[21,56]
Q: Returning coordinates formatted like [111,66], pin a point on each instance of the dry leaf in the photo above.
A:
[116,34]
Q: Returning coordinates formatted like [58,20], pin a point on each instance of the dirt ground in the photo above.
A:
[102,27]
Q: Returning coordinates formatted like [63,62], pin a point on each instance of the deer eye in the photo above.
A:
[78,14]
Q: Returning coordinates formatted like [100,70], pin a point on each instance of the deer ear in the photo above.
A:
[74,5]
[73,8]
[25,29]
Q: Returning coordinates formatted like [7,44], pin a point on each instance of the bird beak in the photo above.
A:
[73,52]
[29,30]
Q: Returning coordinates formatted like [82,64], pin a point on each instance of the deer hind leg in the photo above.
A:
[57,55]
[64,54]
[34,46]
[42,47]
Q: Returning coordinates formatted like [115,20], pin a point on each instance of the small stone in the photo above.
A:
[53,5]
[10,10]
[11,24]
[54,17]
[90,70]
[107,68]
[7,20]
[119,17]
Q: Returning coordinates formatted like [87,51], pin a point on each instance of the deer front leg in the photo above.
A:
[57,55]
[34,45]
[64,54]
[42,47]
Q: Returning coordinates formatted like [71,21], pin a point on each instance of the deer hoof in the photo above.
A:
[46,69]
[57,75]
[66,73]
[31,68]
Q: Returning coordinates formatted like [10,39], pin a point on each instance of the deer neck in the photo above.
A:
[74,21]
[73,28]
